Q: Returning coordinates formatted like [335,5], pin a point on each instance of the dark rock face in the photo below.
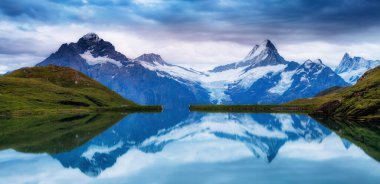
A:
[152,58]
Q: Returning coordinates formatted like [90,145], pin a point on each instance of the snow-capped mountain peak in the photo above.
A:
[152,58]
[352,68]
[263,54]
[91,37]
[90,41]
[346,56]
[88,51]
[309,63]
[261,51]
[345,64]
[318,61]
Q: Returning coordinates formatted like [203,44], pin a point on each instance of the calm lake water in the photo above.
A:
[183,147]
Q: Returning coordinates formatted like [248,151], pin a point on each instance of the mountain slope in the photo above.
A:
[52,88]
[352,68]
[359,100]
[311,78]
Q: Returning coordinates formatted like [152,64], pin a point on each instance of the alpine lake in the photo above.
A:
[188,147]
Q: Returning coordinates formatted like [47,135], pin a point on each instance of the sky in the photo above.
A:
[194,33]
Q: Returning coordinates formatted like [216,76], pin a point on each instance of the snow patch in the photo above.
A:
[91,36]
[353,75]
[92,150]
[284,84]
[91,60]
[257,52]
[250,77]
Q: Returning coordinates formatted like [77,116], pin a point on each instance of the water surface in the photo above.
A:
[183,147]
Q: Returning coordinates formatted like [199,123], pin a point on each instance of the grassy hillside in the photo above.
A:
[329,91]
[52,89]
[361,100]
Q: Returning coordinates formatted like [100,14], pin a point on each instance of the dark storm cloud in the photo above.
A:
[24,10]
[240,20]
[16,46]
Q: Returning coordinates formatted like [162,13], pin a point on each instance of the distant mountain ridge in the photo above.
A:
[263,76]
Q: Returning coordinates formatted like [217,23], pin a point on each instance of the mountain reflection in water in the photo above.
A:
[109,143]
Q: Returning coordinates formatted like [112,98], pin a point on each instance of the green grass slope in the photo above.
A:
[54,88]
[361,100]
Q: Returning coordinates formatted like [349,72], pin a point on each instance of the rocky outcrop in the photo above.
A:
[328,108]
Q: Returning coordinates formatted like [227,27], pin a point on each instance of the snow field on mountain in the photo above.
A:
[217,82]
[284,84]
[91,60]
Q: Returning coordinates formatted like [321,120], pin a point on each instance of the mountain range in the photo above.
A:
[262,77]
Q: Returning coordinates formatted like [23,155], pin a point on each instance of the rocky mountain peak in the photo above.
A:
[312,63]
[318,61]
[261,51]
[91,40]
[151,58]
[351,68]
[346,56]
[91,37]
[268,44]
[263,54]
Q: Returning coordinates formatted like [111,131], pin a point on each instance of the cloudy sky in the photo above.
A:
[197,33]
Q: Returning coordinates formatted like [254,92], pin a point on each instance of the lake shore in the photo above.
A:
[253,108]
[52,111]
